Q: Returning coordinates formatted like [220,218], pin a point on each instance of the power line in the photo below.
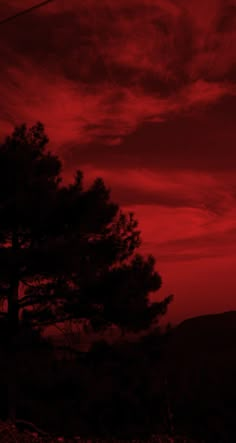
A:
[25,11]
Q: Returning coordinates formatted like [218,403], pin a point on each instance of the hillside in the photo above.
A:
[200,366]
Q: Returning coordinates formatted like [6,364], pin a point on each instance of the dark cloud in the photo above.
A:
[227,19]
[132,64]
[142,43]
[203,140]
[219,243]
[222,239]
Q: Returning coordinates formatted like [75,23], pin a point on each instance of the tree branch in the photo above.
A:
[64,334]
[55,321]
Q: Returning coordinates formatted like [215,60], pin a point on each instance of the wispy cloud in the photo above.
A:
[114,66]
[174,189]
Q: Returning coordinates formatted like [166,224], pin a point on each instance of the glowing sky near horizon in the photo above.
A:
[143,94]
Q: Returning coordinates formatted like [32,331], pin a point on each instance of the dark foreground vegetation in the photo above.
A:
[128,391]
[110,394]
[111,391]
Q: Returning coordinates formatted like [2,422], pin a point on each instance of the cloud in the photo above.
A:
[71,112]
[175,189]
[201,141]
[195,234]
[129,64]
[183,216]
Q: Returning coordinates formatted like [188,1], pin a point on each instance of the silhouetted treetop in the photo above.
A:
[66,252]
[72,248]
[29,177]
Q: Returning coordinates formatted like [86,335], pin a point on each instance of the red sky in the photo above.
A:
[143,95]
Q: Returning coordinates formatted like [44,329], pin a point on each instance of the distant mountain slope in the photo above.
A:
[207,332]
[200,367]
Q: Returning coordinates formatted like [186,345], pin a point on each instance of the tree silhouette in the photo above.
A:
[66,253]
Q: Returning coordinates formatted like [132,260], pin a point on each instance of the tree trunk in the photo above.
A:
[13,327]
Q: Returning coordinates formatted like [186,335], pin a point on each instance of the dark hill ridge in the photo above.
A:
[206,332]
[204,344]
[200,367]
[227,318]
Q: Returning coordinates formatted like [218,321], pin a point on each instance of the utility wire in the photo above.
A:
[44,3]
[25,11]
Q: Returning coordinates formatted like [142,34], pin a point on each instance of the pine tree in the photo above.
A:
[72,250]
